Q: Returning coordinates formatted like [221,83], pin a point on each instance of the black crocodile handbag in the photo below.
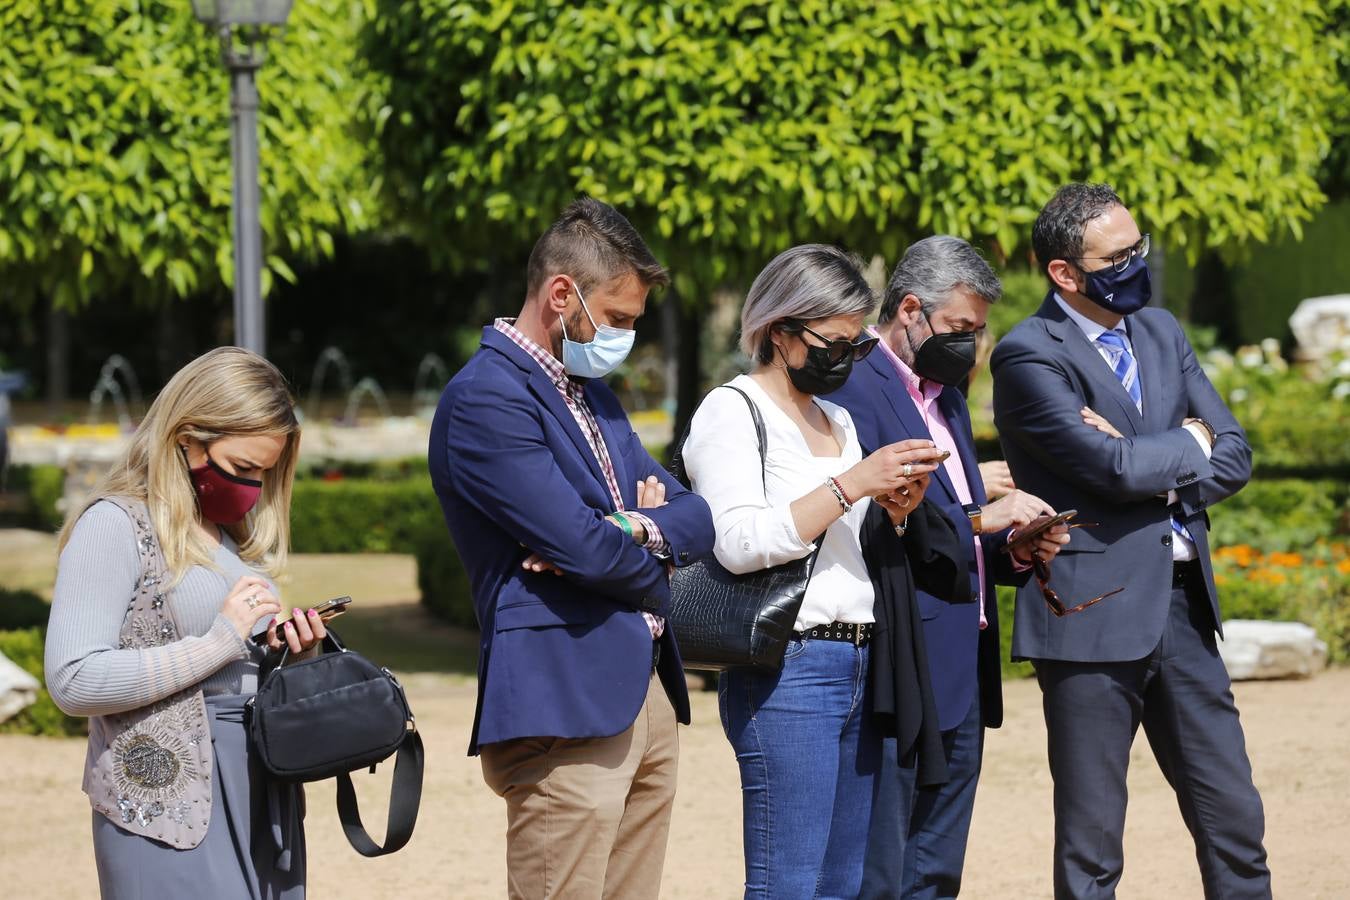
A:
[721,620]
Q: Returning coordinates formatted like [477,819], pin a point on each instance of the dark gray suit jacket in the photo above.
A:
[1045,371]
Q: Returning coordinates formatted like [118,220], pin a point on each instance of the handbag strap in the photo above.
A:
[405,797]
[760,437]
[676,466]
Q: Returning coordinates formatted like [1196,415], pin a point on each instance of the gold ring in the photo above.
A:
[907,469]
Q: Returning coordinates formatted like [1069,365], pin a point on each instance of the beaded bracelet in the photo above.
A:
[839,494]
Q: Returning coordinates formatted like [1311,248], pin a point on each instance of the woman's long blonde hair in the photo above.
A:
[224,393]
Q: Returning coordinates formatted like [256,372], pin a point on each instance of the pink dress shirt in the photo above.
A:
[925,395]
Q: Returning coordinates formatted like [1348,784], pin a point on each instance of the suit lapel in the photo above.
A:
[1149,359]
[910,417]
[549,397]
[1088,361]
[950,402]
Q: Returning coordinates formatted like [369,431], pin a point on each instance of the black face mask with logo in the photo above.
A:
[946,358]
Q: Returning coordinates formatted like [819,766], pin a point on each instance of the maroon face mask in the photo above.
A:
[222,498]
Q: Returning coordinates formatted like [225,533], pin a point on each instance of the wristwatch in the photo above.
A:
[975,514]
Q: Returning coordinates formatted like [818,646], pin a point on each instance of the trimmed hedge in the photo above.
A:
[363,516]
[22,609]
[42,487]
[442,580]
[24,649]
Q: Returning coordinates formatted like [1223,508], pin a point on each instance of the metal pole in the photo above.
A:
[249,324]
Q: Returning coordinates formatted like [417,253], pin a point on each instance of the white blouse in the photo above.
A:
[753,518]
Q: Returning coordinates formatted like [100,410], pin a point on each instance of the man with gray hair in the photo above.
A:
[935,306]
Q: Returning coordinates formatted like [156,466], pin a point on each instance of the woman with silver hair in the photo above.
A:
[805,737]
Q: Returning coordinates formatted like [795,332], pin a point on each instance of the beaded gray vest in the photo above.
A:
[149,769]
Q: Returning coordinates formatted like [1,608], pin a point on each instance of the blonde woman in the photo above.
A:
[163,581]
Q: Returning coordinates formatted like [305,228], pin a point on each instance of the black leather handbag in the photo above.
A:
[721,620]
[328,716]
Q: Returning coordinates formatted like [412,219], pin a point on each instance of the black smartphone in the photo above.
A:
[327,610]
[1038,527]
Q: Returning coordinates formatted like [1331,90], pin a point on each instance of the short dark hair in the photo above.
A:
[934,267]
[592,242]
[1058,232]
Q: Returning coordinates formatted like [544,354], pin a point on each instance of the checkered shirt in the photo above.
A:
[572,391]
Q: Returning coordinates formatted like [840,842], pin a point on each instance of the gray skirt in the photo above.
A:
[254,845]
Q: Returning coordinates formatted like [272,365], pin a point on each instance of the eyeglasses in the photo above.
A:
[1121,260]
[1042,571]
[838,349]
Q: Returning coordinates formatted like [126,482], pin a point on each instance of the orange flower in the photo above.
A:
[1343,567]
[1266,576]
[1285,560]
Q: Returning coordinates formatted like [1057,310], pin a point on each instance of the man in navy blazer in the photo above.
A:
[1102,407]
[541,476]
[936,304]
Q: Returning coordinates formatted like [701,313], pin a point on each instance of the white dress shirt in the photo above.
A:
[753,518]
[1183,548]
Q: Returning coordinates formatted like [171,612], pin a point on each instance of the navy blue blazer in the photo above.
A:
[565,656]
[1045,371]
[961,657]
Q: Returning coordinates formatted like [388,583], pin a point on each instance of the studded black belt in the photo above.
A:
[856,633]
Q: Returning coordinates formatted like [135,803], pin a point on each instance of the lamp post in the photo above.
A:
[244,27]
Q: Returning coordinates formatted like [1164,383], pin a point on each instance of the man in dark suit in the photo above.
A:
[935,305]
[1102,407]
[539,474]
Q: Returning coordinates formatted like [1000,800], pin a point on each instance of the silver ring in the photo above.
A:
[907,470]
[252,600]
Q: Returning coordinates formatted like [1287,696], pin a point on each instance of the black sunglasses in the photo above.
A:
[838,349]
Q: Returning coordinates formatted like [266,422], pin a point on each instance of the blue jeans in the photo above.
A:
[809,756]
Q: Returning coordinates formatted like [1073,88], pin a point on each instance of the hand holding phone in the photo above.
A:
[1037,527]
[327,610]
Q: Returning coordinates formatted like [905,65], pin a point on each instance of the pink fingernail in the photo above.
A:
[313,614]
[290,626]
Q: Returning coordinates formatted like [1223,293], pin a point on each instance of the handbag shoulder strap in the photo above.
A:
[405,797]
[760,436]
[676,466]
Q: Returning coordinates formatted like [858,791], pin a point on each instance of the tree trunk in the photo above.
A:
[58,361]
[689,376]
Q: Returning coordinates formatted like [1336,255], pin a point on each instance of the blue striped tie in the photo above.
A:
[1123,363]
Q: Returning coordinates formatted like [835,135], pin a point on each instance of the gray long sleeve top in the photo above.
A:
[88,675]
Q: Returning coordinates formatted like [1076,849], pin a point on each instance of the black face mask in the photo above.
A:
[818,376]
[946,358]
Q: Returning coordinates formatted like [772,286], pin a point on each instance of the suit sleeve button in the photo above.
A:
[684,556]
[1167,540]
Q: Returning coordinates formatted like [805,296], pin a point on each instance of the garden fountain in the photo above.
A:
[432,374]
[107,386]
[333,358]
[366,387]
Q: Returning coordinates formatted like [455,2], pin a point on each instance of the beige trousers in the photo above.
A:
[589,818]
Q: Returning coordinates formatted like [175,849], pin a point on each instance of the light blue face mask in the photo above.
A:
[602,354]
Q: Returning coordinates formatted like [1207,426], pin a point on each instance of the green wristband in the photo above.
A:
[624,523]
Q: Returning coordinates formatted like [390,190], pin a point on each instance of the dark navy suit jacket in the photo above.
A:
[565,656]
[961,657]
[1045,371]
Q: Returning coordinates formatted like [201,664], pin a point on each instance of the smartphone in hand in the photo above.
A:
[327,610]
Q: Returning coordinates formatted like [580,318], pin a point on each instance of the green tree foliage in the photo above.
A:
[731,129]
[115,147]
